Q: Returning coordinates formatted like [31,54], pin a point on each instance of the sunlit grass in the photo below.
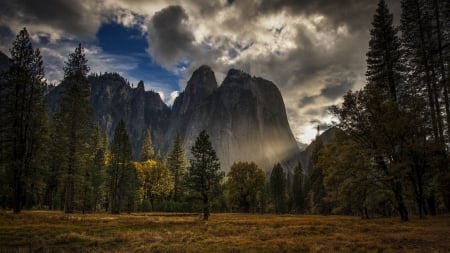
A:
[56,232]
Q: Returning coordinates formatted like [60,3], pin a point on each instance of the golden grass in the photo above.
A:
[46,231]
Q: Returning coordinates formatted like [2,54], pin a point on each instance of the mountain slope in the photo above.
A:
[113,99]
[245,118]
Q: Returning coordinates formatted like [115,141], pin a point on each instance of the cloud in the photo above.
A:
[170,38]
[79,18]
[314,50]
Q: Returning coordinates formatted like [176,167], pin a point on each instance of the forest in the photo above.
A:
[389,155]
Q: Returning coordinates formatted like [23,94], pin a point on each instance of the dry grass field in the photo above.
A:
[42,231]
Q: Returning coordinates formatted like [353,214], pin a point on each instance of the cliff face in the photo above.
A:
[245,118]
[326,137]
[113,99]
[5,62]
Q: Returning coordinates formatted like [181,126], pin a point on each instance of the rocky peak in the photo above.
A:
[140,86]
[236,74]
[245,118]
[202,84]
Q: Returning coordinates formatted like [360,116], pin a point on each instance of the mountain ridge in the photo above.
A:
[245,116]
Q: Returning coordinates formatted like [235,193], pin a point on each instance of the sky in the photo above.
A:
[313,50]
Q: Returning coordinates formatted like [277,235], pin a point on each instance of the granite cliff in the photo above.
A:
[245,118]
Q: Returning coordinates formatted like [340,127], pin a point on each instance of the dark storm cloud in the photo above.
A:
[72,16]
[317,112]
[355,13]
[170,39]
[306,100]
[337,88]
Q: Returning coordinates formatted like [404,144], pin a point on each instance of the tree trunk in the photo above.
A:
[401,208]
[205,207]
[17,194]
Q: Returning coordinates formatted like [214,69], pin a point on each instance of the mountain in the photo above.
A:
[245,118]
[5,62]
[114,99]
[326,137]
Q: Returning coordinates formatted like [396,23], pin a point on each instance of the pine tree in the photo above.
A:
[147,151]
[415,24]
[384,66]
[425,32]
[22,102]
[297,189]
[204,173]
[278,188]
[73,122]
[122,174]
[176,162]
[98,167]
[378,117]
[316,176]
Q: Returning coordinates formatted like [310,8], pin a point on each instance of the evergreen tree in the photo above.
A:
[122,174]
[73,123]
[278,188]
[415,24]
[176,162]
[424,26]
[94,175]
[317,194]
[376,116]
[384,66]
[297,189]
[204,173]
[147,151]
[22,102]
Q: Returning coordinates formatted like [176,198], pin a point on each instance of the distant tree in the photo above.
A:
[204,173]
[122,174]
[22,109]
[93,183]
[147,151]
[73,123]
[246,182]
[298,198]
[278,188]
[155,180]
[348,179]
[176,162]
[317,192]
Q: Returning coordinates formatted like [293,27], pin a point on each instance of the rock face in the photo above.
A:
[245,118]
[326,137]
[5,62]
[113,99]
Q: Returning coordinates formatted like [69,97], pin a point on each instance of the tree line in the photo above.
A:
[67,163]
[391,155]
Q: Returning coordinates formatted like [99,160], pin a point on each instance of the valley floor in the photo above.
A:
[45,231]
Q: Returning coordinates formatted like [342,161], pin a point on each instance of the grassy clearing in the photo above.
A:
[44,231]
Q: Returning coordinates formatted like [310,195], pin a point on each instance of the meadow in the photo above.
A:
[46,231]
